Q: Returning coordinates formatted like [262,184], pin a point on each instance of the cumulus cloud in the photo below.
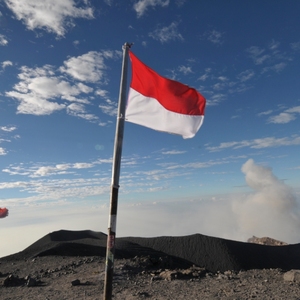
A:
[45,90]
[270,210]
[142,5]
[88,67]
[54,16]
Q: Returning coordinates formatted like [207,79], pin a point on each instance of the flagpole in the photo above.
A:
[111,237]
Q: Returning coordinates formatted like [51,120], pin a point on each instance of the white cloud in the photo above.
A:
[258,143]
[78,110]
[8,128]
[295,109]
[54,16]
[271,210]
[172,152]
[185,70]
[101,93]
[180,2]
[282,118]
[206,75]
[109,108]
[203,77]
[166,34]
[43,90]
[109,2]
[6,63]
[36,87]
[47,170]
[216,37]
[274,45]
[142,5]
[295,46]
[257,55]
[2,151]
[215,99]
[267,112]
[34,105]
[245,75]
[268,210]
[197,165]
[3,40]
[88,67]
[276,68]
[285,117]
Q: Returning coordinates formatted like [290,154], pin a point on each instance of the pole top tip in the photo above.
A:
[128,45]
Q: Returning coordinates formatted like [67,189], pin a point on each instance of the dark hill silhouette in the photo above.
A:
[215,254]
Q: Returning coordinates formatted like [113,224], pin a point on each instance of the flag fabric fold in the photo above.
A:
[163,104]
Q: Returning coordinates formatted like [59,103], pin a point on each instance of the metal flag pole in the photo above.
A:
[111,237]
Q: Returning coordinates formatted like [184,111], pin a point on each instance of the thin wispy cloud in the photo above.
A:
[6,130]
[295,46]
[54,16]
[275,68]
[261,143]
[257,54]
[264,113]
[43,171]
[109,107]
[173,152]
[270,57]
[185,70]
[167,33]
[143,5]
[245,75]
[197,165]
[216,37]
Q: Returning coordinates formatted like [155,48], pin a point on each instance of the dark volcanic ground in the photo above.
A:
[188,267]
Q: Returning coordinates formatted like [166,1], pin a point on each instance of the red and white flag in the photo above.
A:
[3,212]
[163,104]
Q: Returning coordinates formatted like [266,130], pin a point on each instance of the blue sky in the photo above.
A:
[60,67]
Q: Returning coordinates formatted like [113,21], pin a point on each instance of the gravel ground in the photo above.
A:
[136,278]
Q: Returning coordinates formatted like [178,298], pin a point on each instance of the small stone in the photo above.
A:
[31,282]
[292,275]
[75,282]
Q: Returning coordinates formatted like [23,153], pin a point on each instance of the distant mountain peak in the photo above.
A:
[266,241]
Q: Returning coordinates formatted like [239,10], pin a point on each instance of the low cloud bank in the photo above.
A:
[271,209]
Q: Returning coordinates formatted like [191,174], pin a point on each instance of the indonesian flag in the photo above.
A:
[163,104]
[3,212]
